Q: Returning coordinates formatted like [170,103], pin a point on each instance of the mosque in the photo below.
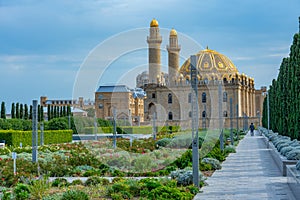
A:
[169,94]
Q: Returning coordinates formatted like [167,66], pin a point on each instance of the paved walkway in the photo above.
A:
[249,174]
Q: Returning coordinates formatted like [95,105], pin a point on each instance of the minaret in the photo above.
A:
[173,54]
[154,42]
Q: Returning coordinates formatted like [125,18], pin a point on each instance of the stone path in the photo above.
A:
[249,174]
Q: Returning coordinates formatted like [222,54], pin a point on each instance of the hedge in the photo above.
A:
[14,137]
[132,129]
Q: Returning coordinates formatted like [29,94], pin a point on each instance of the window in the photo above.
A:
[169,98]
[170,116]
[190,98]
[225,114]
[204,114]
[100,105]
[225,97]
[190,114]
[100,96]
[203,97]
[153,96]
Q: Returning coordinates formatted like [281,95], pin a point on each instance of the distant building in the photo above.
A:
[127,103]
[80,103]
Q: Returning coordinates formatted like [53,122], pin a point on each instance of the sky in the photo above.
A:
[53,48]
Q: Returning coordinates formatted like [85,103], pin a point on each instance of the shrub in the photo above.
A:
[298,165]
[96,180]
[38,188]
[60,182]
[164,192]
[77,182]
[21,191]
[4,151]
[229,149]
[58,124]
[14,137]
[185,177]
[74,195]
[163,142]
[213,162]
[286,150]
[293,155]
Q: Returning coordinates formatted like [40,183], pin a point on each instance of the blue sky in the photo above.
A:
[44,44]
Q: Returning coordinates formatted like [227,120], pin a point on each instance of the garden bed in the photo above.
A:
[293,177]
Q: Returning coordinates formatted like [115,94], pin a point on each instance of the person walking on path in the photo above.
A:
[252,129]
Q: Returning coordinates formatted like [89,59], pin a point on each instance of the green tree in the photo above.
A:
[3,110]
[54,112]
[49,112]
[64,111]
[30,112]
[21,111]
[39,113]
[42,113]
[284,97]
[58,124]
[26,112]
[13,111]
[69,113]
[17,111]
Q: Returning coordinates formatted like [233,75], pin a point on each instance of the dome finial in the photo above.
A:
[173,32]
[154,23]
[207,47]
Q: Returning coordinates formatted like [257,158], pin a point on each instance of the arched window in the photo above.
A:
[204,114]
[170,116]
[225,114]
[169,98]
[190,98]
[203,97]
[225,97]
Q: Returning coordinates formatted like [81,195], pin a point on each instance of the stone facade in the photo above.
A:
[80,103]
[171,100]
[128,104]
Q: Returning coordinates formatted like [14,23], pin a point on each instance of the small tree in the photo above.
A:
[21,111]
[49,112]
[42,113]
[64,111]
[25,111]
[17,111]
[69,111]
[3,111]
[30,112]
[39,113]
[13,111]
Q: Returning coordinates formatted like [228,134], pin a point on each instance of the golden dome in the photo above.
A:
[210,63]
[154,23]
[173,32]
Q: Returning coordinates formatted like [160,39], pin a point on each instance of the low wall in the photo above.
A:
[281,161]
[293,177]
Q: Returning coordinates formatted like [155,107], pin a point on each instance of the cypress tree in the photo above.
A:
[64,111]
[30,112]
[284,95]
[39,113]
[17,111]
[3,110]
[61,111]
[21,111]
[42,113]
[13,111]
[49,112]
[25,111]
[57,111]
[52,112]
[69,110]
